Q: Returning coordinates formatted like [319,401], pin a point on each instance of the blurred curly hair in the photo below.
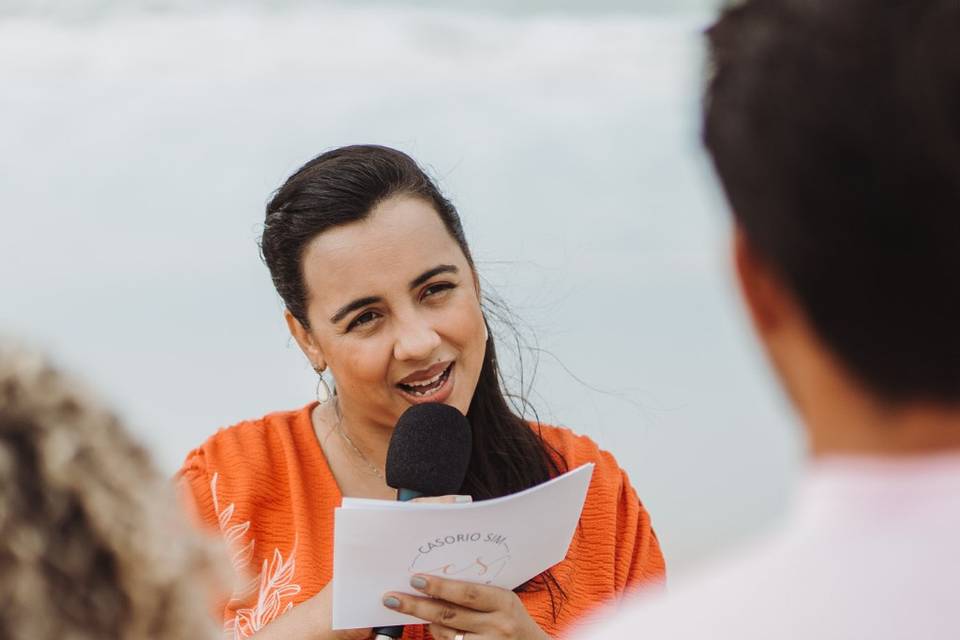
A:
[92,544]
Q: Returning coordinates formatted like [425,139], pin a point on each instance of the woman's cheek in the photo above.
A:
[368,363]
[467,322]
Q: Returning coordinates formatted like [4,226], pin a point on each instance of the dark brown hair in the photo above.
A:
[343,186]
[835,130]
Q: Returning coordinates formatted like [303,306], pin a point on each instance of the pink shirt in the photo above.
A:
[870,550]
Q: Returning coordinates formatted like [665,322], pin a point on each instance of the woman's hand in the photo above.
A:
[479,612]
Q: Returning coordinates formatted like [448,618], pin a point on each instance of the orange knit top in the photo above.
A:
[265,486]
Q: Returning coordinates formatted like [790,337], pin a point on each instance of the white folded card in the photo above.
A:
[379,545]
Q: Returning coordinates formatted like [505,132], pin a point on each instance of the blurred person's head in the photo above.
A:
[91,541]
[835,130]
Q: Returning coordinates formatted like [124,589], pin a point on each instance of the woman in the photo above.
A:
[381,291]
[91,544]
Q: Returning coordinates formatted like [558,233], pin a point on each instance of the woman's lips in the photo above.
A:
[418,377]
[437,389]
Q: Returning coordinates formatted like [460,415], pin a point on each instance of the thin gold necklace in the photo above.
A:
[366,461]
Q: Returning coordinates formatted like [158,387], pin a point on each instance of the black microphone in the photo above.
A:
[428,455]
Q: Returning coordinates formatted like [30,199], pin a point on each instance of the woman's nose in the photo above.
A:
[416,340]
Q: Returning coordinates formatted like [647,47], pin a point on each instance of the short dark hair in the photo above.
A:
[834,126]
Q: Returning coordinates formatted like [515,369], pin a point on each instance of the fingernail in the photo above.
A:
[391,603]
[462,499]
[418,582]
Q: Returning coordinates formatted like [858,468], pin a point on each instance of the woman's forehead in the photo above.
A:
[398,241]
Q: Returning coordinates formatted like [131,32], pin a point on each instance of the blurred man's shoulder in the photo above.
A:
[821,574]
[731,599]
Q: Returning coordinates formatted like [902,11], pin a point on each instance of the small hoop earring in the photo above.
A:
[323,389]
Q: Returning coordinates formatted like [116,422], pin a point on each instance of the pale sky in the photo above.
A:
[140,148]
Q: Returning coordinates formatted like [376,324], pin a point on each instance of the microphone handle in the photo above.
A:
[404,495]
[395,631]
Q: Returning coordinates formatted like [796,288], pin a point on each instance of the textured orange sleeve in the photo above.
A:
[638,560]
[614,550]
[640,552]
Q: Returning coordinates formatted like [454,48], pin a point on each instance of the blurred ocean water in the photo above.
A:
[93,9]
[141,142]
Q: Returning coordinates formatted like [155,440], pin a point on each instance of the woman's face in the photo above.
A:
[394,312]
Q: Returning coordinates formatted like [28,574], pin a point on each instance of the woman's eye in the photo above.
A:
[362,319]
[435,289]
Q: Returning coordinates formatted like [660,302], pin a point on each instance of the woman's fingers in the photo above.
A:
[478,597]
[455,607]
[452,499]
[432,610]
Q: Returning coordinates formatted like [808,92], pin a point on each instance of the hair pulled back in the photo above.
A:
[343,186]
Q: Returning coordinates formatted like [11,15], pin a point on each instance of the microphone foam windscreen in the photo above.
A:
[430,450]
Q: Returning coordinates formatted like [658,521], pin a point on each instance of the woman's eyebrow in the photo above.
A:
[353,306]
[426,275]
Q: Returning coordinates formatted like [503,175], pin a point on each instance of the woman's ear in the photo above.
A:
[305,340]
[476,284]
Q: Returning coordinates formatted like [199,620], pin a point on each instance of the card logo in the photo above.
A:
[474,556]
